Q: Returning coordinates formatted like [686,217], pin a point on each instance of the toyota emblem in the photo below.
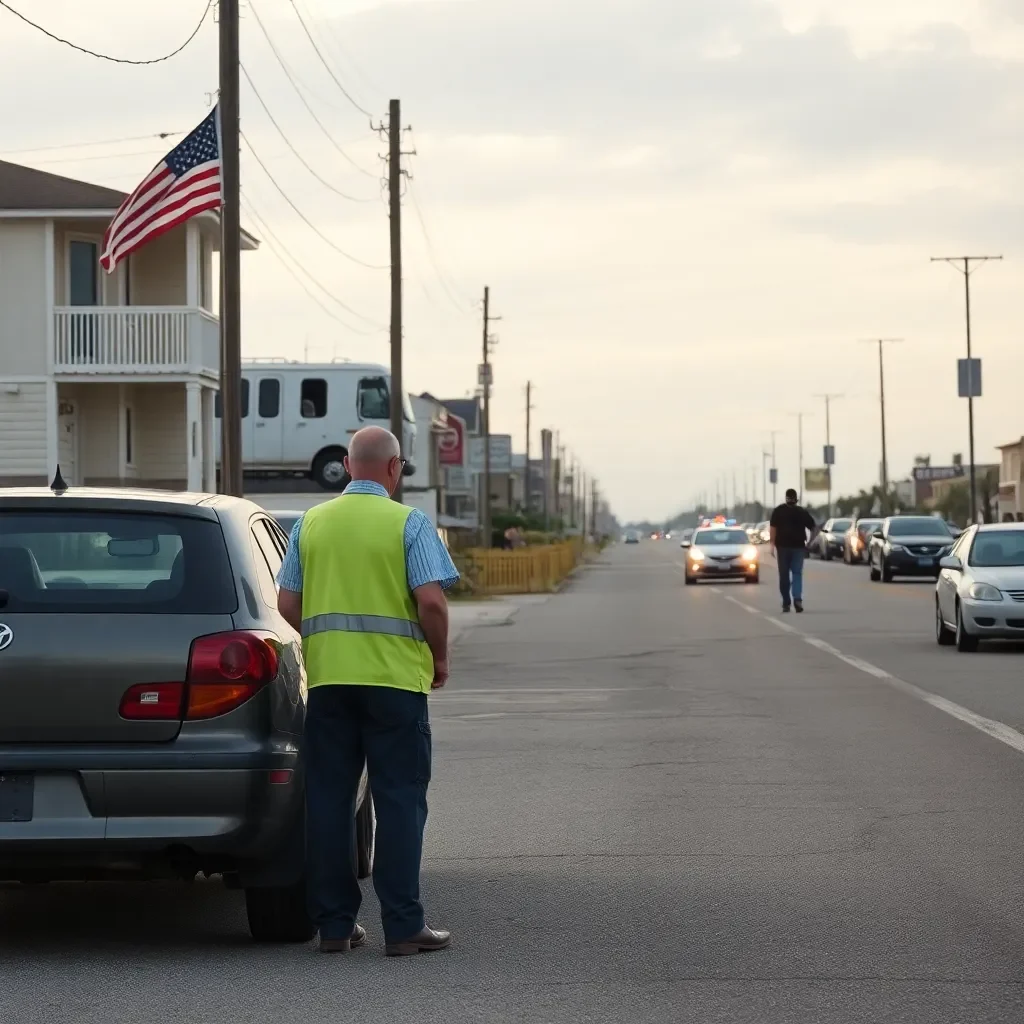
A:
[6,636]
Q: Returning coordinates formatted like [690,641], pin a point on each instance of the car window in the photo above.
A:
[374,401]
[994,548]
[721,537]
[962,544]
[114,562]
[313,398]
[218,405]
[268,560]
[268,402]
[841,525]
[918,526]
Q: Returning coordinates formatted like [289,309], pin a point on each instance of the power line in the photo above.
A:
[288,143]
[271,238]
[323,60]
[104,56]
[298,92]
[432,253]
[306,220]
[100,156]
[346,55]
[84,145]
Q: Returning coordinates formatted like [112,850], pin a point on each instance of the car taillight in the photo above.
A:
[152,701]
[226,669]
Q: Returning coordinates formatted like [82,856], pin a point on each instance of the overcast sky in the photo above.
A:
[688,211]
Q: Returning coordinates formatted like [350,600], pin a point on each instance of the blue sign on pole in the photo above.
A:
[830,455]
[968,374]
[773,476]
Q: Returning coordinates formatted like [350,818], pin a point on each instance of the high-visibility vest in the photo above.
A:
[360,624]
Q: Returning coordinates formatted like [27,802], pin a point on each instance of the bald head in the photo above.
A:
[372,455]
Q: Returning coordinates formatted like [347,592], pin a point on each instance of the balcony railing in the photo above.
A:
[135,340]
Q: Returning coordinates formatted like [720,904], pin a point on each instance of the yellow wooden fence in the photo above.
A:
[530,570]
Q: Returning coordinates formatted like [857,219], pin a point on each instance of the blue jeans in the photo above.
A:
[388,730]
[791,565]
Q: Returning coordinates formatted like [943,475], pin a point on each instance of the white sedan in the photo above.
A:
[980,591]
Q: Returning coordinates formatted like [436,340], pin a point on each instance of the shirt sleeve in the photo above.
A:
[426,558]
[289,576]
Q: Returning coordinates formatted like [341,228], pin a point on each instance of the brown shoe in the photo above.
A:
[354,941]
[427,941]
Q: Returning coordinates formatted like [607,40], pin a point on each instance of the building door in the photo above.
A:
[268,421]
[83,270]
[67,440]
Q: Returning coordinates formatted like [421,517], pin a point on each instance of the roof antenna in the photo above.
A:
[58,486]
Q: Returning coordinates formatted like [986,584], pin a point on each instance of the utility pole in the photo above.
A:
[395,215]
[765,456]
[583,508]
[527,478]
[800,452]
[775,468]
[231,263]
[735,499]
[485,375]
[881,343]
[828,444]
[966,270]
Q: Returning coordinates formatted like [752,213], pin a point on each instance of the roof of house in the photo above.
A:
[25,188]
[466,409]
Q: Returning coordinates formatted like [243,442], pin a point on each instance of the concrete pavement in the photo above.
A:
[649,804]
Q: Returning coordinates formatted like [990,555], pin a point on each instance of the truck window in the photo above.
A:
[374,400]
[269,403]
[245,400]
[313,398]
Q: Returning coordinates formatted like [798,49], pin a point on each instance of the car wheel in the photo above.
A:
[690,581]
[965,642]
[944,636]
[828,554]
[329,470]
[756,578]
[875,574]
[366,835]
[886,573]
[278,913]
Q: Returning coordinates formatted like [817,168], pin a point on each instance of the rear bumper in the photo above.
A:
[152,817]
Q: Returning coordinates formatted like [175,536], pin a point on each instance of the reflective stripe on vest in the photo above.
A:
[338,622]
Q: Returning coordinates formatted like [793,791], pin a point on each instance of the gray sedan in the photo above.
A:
[153,698]
[980,591]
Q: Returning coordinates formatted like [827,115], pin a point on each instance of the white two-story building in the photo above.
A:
[111,377]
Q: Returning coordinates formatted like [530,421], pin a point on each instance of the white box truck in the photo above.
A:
[297,418]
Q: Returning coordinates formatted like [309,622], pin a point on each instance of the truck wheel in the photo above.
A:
[329,470]
[278,913]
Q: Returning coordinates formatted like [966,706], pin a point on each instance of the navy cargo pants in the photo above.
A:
[389,730]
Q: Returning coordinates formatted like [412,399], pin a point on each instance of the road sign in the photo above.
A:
[816,479]
[830,455]
[968,374]
[501,454]
[484,374]
[773,476]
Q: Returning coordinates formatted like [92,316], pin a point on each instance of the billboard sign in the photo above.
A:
[451,443]
[928,473]
[968,378]
[816,479]
[501,454]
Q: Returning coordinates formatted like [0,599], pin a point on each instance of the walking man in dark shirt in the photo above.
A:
[790,524]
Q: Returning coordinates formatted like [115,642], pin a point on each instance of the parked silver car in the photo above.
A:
[980,591]
[153,698]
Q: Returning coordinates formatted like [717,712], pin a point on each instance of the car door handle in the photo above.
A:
[260,423]
[301,423]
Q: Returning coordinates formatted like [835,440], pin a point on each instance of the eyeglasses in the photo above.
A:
[402,463]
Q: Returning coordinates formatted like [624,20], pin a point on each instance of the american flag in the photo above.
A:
[186,182]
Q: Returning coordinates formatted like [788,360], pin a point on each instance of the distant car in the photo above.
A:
[722,552]
[908,546]
[828,542]
[153,699]
[856,539]
[980,591]
[762,532]
[287,520]
[632,537]
[685,537]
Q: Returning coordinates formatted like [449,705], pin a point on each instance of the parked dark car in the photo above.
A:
[828,541]
[153,698]
[908,546]
[857,539]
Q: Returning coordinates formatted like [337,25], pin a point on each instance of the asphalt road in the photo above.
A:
[650,803]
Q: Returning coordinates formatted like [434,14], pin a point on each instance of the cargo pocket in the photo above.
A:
[424,752]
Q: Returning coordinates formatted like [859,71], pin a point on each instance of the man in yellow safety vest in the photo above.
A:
[364,581]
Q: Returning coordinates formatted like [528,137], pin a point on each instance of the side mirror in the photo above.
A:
[684,543]
[877,533]
[951,562]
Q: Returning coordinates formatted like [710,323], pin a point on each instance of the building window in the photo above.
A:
[313,398]
[374,400]
[83,273]
[245,401]
[129,440]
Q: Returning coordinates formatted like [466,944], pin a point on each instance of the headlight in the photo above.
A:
[985,592]
[696,555]
[750,554]
[897,547]
[854,543]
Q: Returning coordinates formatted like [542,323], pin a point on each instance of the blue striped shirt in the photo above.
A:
[426,558]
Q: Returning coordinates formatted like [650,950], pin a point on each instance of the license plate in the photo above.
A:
[926,561]
[17,795]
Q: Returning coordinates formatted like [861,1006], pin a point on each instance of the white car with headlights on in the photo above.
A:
[980,591]
[721,553]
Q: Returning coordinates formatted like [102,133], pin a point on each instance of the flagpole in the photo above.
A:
[230,256]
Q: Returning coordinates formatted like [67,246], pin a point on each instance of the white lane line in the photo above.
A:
[742,604]
[997,730]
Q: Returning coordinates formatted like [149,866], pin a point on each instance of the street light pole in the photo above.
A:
[775,469]
[800,452]
[882,342]
[954,262]
[765,456]
[828,444]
